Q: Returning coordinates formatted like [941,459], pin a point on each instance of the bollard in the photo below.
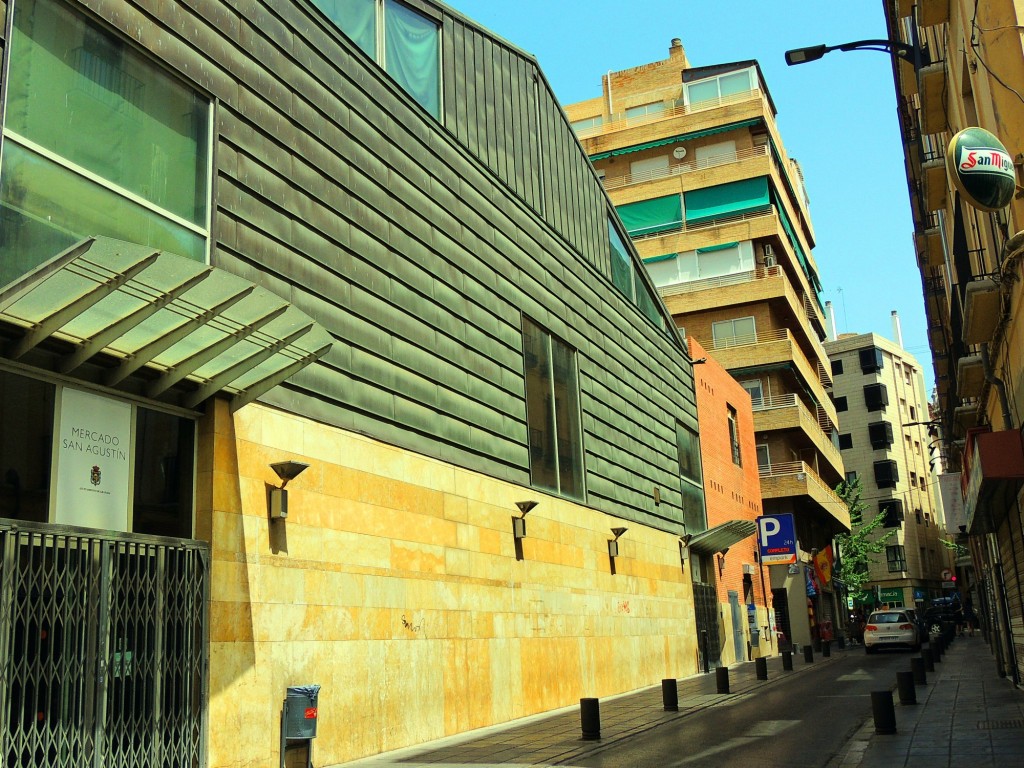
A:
[937,651]
[722,679]
[917,669]
[808,653]
[905,685]
[884,712]
[826,649]
[761,668]
[590,719]
[842,642]
[926,657]
[787,661]
[670,695]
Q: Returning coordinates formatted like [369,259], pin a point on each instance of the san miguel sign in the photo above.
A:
[981,169]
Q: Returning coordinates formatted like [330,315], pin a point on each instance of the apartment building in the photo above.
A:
[731,593]
[693,161]
[964,68]
[878,389]
[237,243]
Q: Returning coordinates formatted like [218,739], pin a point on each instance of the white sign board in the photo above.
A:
[93,468]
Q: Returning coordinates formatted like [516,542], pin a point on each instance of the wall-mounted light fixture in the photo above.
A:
[286,471]
[519,523]
[684,548]
[613,544]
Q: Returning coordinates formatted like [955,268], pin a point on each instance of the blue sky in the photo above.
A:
[837,118]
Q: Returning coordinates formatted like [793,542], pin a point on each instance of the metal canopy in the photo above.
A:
[721,537]
[185,320]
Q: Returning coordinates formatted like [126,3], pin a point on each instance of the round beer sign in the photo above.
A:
[981,169]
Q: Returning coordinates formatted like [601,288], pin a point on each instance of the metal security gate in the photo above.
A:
[705,604]
[103,649]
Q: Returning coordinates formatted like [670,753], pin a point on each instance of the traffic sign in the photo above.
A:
[776,539]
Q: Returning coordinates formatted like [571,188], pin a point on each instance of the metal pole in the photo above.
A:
[808,653]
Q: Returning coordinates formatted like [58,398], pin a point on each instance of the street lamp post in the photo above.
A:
[910,53]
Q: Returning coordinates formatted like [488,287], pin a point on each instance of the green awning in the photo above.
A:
[663,257]
[722,247]
[648,217]
[674,139]
[812,278]
[726,199]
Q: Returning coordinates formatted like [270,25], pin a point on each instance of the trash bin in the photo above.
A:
[300,711]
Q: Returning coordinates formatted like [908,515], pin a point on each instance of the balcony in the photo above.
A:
[787,412]
[766,348]
[932,12]
[935,184]
[671,98]
[970,376]
[681,168]
[933,86]
[929,247]
[797,478]
[982,310]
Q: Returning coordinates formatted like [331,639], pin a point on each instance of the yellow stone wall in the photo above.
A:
[394,584]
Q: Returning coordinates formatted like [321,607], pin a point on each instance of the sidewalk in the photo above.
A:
[966,715]
[553,738]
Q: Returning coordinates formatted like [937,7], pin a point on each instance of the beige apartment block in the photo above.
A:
[694,163]
[964,69]
[880,394]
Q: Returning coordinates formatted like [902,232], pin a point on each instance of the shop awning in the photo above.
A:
[192,326]
[721,537]
[673,140]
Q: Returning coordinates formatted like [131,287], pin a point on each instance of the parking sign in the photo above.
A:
[776,539]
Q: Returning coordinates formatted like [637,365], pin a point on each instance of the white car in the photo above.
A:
[892,628]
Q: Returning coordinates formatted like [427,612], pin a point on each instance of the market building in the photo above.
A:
[692,159]
[357,239]
[962,68]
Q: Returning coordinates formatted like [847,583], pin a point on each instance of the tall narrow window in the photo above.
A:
[734,436]
[896,557]
[691,479]
[552,412]
[145,181]
[412,54]
[622,264]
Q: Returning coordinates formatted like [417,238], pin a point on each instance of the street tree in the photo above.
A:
[858,547]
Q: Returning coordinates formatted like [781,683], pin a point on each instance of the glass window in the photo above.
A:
[880,434]
[851,477]
[734,83]
[691,477]
[733,333]
[26,446]
[715,154]
[876,397]
[763,457]
[164,458]
[896,557]
[886,474]
[845,442]
[646,302]
[726,259]
[642,110]
[97,141]
[755,390]
[893,511]
[871,360]
[714,88]
[622,264]
[650,168]
[837,367]
[587,123]
[734,436]
[357,19]
[841,404]
[412,54]
[552,412]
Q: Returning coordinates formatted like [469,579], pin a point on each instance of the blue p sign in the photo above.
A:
[776,539]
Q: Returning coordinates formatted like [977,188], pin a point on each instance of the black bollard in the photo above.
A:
[905,685]
[937,650]
[842,642]
[826,648]
[917,669]
[761,668]
[929,661]
[884,712]
[590,719]
[808,653]
[787,661]
[670,695]
[722,679]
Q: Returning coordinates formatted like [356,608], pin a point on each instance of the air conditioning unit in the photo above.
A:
[748,569]
[769,261]
[769,255]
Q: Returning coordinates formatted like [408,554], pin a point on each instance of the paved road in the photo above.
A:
[802,720]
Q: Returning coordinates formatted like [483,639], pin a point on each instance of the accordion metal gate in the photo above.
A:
[103,649]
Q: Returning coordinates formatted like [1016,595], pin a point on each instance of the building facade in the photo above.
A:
[693,161]
[966,69]
[728,577]
[355,238]
[879,391]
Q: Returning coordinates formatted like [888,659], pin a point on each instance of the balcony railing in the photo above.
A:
[748,339]
[770,403]
[820,417]
[802,471]
[673,108]
[721,281]
[677,169]
[760,213]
